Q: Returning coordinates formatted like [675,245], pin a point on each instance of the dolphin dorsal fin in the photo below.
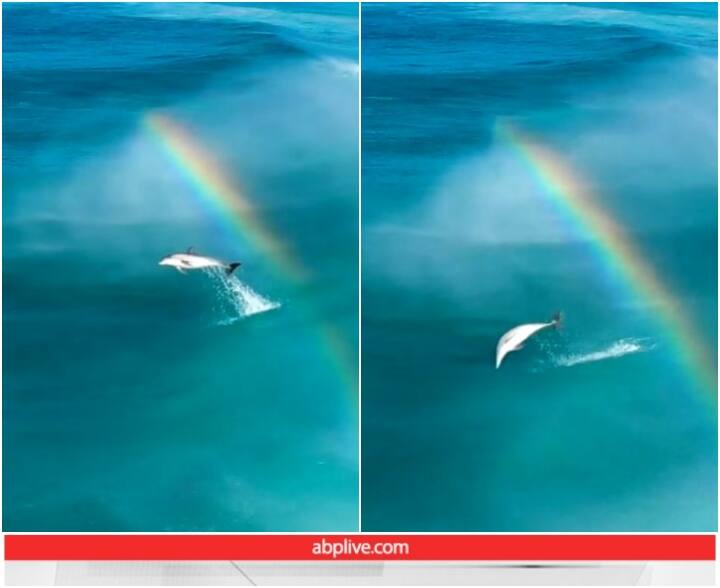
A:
[190,249]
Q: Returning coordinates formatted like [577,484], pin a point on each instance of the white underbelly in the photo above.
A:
[200,264]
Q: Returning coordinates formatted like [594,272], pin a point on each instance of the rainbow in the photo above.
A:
[232,206]
[234,210]
[575,201]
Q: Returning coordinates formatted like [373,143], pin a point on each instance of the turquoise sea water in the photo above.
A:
[134,397]
[593,428]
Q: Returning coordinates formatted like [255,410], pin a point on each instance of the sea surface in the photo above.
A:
[604,425]
[136,398]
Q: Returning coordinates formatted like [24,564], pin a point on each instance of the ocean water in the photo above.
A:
[601,426]
[136,398]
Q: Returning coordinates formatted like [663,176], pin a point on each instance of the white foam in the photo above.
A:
[238,300]
[617,349]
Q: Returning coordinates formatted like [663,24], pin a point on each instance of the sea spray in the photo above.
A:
[237,300]
[615,350]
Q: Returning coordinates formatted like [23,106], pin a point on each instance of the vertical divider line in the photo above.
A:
[359,378]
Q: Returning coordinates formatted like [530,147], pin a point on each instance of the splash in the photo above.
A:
[237,299]
[617,349]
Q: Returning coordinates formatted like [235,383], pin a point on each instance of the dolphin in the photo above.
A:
[513,340]
[192,261]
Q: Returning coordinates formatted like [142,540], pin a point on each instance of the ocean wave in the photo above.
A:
[687,25]
[617,349]
[286,16]
[331,28]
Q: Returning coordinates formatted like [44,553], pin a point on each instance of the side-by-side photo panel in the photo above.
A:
[539,254]
[180,253]
[187,275]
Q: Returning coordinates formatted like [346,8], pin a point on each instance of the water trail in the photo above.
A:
[237,300]
[617,349]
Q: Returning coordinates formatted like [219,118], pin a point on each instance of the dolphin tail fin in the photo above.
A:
[231,267]
[557,320]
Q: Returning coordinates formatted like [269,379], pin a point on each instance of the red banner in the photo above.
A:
[362,547]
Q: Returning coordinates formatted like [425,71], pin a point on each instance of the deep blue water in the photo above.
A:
[134,397]
[594,428]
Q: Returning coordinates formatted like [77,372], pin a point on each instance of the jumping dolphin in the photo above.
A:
[192,261]
[513,340]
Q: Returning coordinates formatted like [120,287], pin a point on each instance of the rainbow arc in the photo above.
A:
[210,181]
[233,208]
[574,200]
